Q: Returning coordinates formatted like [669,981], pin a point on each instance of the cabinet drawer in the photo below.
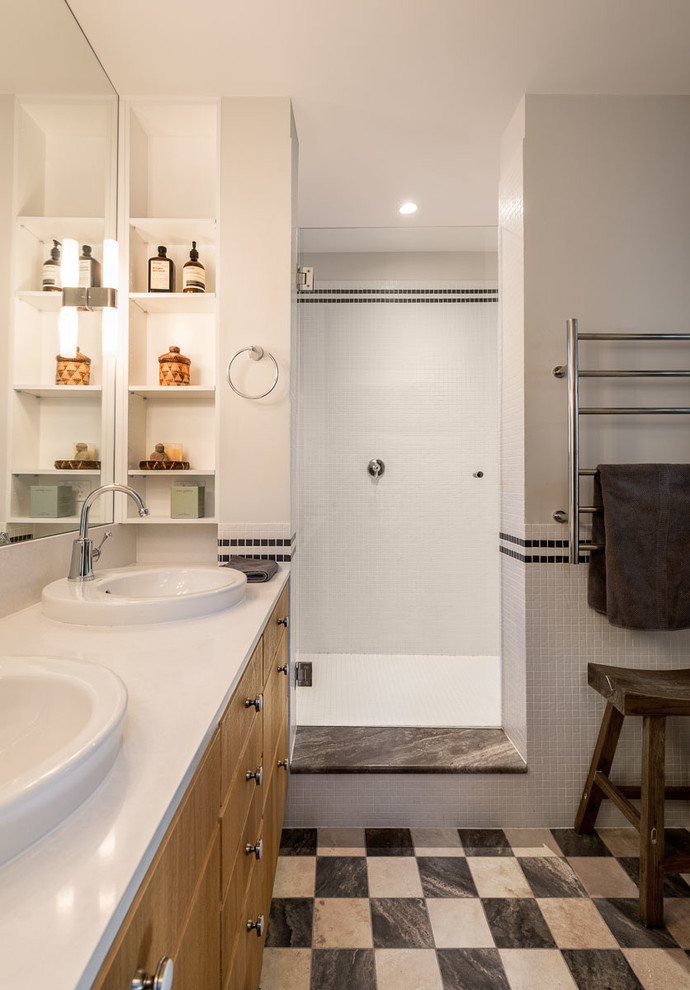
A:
[238,720]
[274,628]
[275,706]
[197,960]
[236,908]
[243,794]
[245,969]
[154,923]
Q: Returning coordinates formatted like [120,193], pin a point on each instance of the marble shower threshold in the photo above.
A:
[394,749]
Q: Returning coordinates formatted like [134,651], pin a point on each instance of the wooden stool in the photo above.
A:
[653,694]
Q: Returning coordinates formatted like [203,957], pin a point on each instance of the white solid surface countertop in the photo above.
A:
[63,900]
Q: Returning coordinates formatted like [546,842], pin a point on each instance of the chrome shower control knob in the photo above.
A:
[257,849]
[283,669]
[161,980]
[376,467]
[257,926]
[258,776]
[257,703]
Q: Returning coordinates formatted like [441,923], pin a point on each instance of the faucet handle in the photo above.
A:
[96,552]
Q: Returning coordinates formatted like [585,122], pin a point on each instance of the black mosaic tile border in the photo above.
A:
[537,558]
[276,548]
[398,296]
[21,539]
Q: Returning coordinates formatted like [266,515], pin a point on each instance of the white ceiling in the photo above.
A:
[393,99]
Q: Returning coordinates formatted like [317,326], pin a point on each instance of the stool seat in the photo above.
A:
[642,692]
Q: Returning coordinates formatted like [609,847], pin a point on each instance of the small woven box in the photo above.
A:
[173,368]
[73,370]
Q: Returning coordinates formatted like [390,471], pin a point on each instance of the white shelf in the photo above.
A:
[167,391]
[51,391]
[86,230]
[51,520]
[169,230]
[154,520]
[175,302]
[190,473]
[44,302]
[77,473]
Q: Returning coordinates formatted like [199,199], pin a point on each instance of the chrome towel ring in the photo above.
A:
[256,354]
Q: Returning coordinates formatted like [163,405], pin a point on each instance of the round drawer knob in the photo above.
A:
[257,703]
[283,669]
[283,622]
[258,849]
[161,979]
[258,776]
[257,926]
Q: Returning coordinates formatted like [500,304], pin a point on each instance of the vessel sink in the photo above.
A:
[139,594]
[60,730]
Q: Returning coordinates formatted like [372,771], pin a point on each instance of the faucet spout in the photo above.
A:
[81,566]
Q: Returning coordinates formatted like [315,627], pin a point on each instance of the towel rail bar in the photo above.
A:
[632,336]
[634,374]
[634,410]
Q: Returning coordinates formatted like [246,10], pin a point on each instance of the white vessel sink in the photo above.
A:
[60,730]
[140,594]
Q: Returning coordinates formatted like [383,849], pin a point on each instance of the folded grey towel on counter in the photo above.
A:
[641,580]
[256,570]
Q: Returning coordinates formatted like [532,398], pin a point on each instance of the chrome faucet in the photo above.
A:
[83,551]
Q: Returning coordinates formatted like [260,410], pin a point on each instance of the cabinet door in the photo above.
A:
[238,721]
[197,960]
[275,627]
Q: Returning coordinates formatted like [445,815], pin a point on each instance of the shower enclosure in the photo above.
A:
[395,479]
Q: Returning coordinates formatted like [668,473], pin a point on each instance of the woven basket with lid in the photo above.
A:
[173,368]
[73,370]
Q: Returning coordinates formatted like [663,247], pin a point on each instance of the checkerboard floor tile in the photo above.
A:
[468,909]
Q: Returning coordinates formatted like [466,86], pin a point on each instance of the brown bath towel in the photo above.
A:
[642,579]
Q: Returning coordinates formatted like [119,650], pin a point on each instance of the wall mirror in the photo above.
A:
[58,183]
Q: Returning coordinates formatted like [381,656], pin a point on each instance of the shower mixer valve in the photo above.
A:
[375,467]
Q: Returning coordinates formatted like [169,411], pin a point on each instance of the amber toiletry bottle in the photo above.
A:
[193,273]
[51,280]
[89,269]
[161,272]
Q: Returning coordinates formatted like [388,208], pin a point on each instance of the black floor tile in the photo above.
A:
[606,968]
[298,842]
[485,842]
[572,844]
[290,923]
[446,876]
[517,923]
[674,885]
[551,876]
[341,876]
[388,842]
[677,842]
[471,969]
[353,969]
[400,923]
[622,916]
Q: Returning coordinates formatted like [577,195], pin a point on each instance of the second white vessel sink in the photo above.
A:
[140,594]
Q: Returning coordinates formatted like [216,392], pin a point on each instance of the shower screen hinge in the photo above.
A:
[305,279]
[303,673]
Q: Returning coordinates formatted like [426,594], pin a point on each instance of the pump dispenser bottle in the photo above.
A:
[89,269]
[51,280]
[161,272]
[193,273]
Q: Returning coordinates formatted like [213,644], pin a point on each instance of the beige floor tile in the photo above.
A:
[437,842]
[341,842]
[286,969]
[459,923]
[498,876]
[621,841]
[393,876]
[677,919]
[536,969]
[532,842]
[575,923]
[342,923]
[660,969]
[295,876]
[407,969]
[603,876]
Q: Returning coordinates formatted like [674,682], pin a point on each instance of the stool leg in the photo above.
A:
[602,759]
[652,821]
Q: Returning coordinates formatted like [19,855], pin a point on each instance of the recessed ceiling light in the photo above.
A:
[408,208]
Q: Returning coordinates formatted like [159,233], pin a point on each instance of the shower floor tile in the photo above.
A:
[334,930]
[390,749]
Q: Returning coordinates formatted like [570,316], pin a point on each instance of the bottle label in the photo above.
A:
[85,273]
[51,276]
[193,276]
[159,277]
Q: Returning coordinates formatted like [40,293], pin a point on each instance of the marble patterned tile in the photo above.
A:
[674,884]
[603,877]
[536,969]
[295,876]
[341,842]
[532,842]
[575,923]
[298,842]
[677,920]
[659,969]
[621,914]
[498,877]
[517,923]
[459,924]
[621,841]
[388,842]
[342,923]
[485,842]
[472,969]
[446,876]
[400,923]
[572,844]
[343,968]
[437,842]
[393,876]
[286,969]
[290,923]
[552,877]
[341,876]
[592,968]
[407,969]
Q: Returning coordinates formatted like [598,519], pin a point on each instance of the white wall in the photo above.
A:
[6,225]
[362,266]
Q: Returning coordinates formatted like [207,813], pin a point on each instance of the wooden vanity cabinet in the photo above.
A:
[214,870]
